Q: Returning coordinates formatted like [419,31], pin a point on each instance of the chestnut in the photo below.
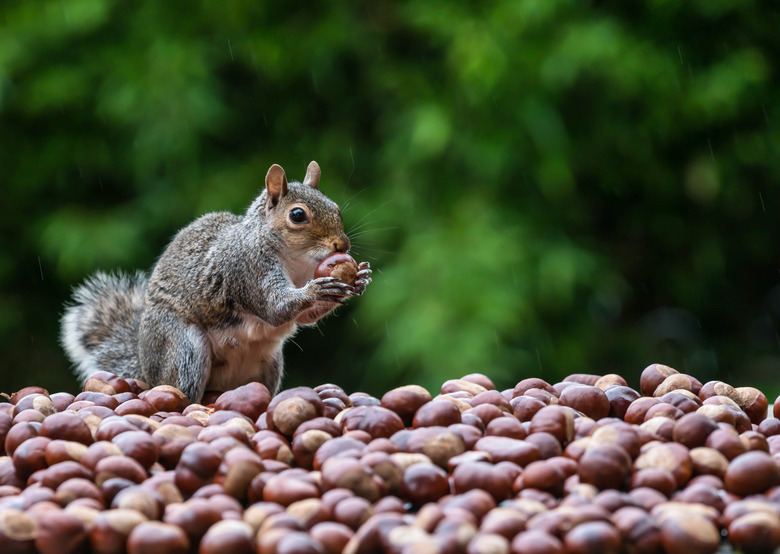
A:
[423,483]
[692,430]
[671,457]
[556,420]
[251,400]
[606,466]
[484,476]
[60,531]
[285,489]
[339,265]
[589,400]
[152,537]
[751,473]
[165,398]
[593,536]
[110,529]
[436,412]
[17,531]
[139,446]
[536,542]
[640,532]
[118,466]
[288,409]
[652,376]
[504,448]
[228,536]
[688,532]
[532,383]
[755,532]
[405,401]
[30,456]
[377,421]
[351,474]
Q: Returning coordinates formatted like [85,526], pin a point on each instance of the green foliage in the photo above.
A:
[542,187]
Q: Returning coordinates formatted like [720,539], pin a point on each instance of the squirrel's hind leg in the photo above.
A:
[175,354]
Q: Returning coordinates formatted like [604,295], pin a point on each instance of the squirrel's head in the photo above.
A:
[309,222]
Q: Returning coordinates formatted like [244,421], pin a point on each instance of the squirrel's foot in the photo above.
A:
[363,278]
[330,289]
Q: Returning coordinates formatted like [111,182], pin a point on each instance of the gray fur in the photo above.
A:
[222,299]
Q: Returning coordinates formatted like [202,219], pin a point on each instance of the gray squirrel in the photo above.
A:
[223,297]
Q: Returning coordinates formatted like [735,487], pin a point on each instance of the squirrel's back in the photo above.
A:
[100,327]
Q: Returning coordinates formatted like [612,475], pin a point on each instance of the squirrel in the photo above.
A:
[224,296]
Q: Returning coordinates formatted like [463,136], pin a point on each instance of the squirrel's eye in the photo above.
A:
[297,215]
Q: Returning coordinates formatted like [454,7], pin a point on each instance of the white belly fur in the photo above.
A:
[238,353]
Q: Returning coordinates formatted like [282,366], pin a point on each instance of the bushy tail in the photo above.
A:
[100,327]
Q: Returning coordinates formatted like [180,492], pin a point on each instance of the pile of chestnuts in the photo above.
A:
[588,464]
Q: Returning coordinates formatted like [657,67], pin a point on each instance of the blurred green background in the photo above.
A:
[543,187]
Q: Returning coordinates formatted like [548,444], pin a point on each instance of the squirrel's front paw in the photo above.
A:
[363,278]
[331,289]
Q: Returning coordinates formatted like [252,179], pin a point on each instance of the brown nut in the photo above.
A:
[228,536]
[339,265]
[194,517]
[377,421]
[39,402]
[331,535]
[423,483]
[674,382]
[593,536]
[532,383]
[405,401]
[251,400]
[436,412]
[755,532]
[589,400]
[620,398]
[165,398]
[606,466]
[536,542]
[153,537]
[17,531]
[197,467]
[524,407]
[350,474]
[75,488]
[484,476]
[238,467]
[556,420]
[305,445]
[60,531]
[141,500]
[139,446]
[118,466]
[652,376]
[30,456]
[135,406]
[501,449]
[708,461]
[171,441]
[671,457]
[692,430]
[640,532]
[753,402]
[285,489]
[110,529]
[751,473]
[686,533]
[288,409]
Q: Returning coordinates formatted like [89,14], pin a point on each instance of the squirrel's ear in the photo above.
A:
[312,178]
[276,185]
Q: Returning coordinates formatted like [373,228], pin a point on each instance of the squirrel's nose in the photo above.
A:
[341,244]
